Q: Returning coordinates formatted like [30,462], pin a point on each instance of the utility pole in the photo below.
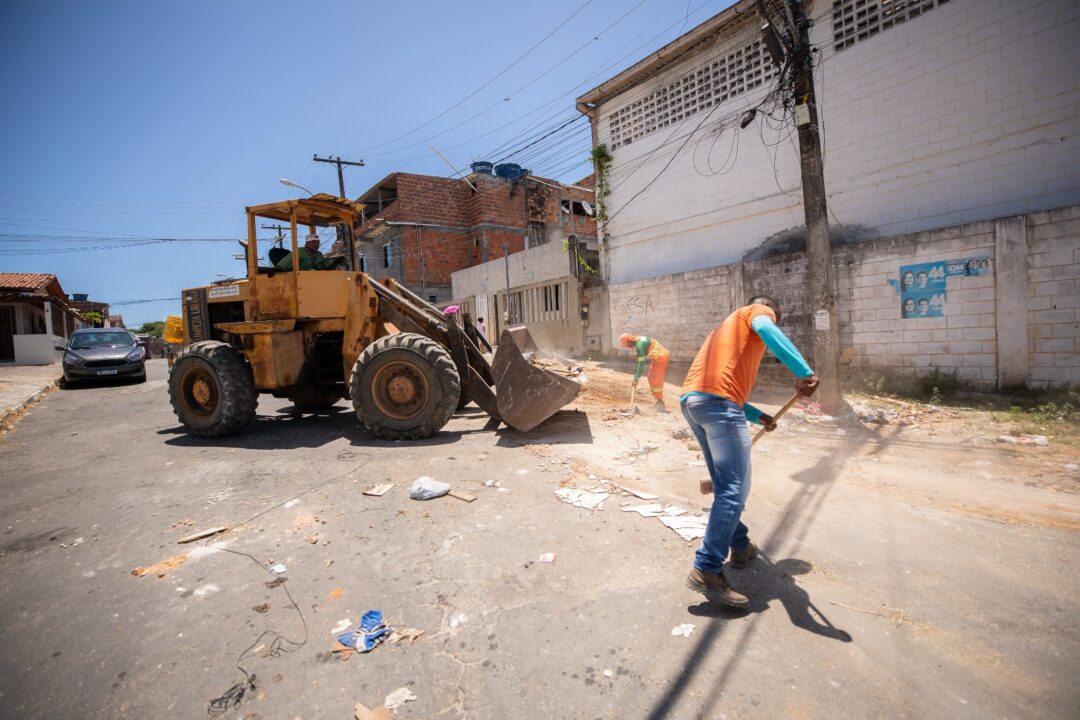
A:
[790,30]
[345,240]
[506,262]
[340,175]
[280,233]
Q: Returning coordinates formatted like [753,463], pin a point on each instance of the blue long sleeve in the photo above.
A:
[752,413]
[777,342]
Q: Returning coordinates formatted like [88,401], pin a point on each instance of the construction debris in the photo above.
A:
[202,534]
[363,712]
[1040,440]
[548,557]
[688,527]
[161,568]
[379,490]
[583,498]
[461,495]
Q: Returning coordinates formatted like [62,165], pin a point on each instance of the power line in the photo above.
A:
[482,87]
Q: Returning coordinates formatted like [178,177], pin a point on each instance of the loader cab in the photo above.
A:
[299,293]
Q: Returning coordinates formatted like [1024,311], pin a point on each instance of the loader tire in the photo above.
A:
[404,387]
[313,399]
[212,390]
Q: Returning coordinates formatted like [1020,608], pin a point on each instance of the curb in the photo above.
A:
[12,412]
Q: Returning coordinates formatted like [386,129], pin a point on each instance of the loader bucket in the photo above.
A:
[526,395]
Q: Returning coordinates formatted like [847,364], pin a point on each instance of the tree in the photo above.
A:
[94,318]
[155,328]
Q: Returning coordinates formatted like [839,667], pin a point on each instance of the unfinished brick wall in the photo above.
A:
[995,324]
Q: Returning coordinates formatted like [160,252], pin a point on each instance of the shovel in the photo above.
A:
[787,406]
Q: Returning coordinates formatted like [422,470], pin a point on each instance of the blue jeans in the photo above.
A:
[720,427]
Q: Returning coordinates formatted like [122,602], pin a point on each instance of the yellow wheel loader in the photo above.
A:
[317,336]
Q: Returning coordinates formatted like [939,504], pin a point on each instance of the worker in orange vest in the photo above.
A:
[651,350]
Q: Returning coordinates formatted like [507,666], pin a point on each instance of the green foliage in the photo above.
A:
[580,260]
[938,385]
[93,316]
[602,159]
[155,328]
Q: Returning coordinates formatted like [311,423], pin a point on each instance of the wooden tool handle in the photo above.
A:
[787,406]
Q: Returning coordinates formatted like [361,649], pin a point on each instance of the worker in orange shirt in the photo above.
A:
[657,355]
[714,404]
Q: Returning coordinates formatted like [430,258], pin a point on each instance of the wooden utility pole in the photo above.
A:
[346,239]
[280,232]
[818,247]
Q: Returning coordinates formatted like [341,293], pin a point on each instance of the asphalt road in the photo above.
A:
[863,608]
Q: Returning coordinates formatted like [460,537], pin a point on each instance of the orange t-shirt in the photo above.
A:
[727,364]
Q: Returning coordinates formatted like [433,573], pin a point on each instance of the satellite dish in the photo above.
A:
[588,208]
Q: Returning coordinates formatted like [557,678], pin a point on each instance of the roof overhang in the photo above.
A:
[666,56]
[321,210]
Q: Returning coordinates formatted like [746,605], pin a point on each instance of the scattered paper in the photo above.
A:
[609,673]
[277,569]
[696,463]
[674,510]
[655,510]
[291,503]
[379,490]
[398,698]
[583,499]
[639,494]
[689,527]
[342,625]
[548,557]
[683,630]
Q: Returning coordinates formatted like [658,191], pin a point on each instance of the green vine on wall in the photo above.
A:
[601,164]
[580,260]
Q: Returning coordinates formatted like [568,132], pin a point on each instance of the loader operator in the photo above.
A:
[651,350]
[310,257]
[714,404]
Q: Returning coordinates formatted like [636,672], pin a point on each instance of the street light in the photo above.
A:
[290,183]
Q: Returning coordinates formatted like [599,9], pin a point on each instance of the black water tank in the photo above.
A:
[510,171]
[483,167]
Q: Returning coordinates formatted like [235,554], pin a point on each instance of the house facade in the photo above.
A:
[420,229]
[34,317]
[940,120]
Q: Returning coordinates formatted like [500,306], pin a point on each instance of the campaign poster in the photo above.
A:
[922,290]
[922,303]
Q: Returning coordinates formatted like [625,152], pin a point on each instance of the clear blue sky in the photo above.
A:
[163,120]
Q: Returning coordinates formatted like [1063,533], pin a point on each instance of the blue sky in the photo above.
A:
[163,120]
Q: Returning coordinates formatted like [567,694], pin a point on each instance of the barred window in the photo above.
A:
[735,73]
[857,20]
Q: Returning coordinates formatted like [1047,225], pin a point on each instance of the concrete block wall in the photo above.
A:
[1053,303]
[1019,324]
[968,112]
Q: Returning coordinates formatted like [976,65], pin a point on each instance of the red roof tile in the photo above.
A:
[33,281]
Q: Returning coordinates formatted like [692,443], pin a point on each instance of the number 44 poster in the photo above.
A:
[922,290]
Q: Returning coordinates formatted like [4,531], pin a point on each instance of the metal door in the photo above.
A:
[7,332]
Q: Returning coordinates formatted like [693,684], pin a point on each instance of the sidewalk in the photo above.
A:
[21,385]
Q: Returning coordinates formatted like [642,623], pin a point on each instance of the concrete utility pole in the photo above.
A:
[818,247]
[787,37]
[506,262]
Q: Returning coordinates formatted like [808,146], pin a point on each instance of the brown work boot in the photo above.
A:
[715,587]
[739,558]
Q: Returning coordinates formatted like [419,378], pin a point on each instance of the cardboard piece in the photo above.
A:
[461,495]
[379,490]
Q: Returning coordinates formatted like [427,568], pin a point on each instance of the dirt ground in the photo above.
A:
[912,565]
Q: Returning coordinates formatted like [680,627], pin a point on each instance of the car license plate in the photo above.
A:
[106,372]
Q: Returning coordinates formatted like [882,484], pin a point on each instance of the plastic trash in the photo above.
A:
[398,698]
[368,635]
[683,630]
[278,569]
[426,488]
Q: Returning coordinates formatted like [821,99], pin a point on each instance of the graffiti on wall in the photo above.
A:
[923,287]
[638,305]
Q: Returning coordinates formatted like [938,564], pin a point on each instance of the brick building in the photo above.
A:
[951,140]
[34,317]
[419,229]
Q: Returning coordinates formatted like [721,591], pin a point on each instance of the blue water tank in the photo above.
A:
[483,167]
[510,171]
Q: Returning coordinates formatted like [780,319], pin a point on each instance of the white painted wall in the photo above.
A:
[36,349]
[968,112]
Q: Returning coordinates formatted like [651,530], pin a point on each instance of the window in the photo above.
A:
[363,263]
[551,298]
[857,20]
[432,298]
[735,73]
[386,255]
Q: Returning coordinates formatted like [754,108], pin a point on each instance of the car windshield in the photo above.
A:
[87,341]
